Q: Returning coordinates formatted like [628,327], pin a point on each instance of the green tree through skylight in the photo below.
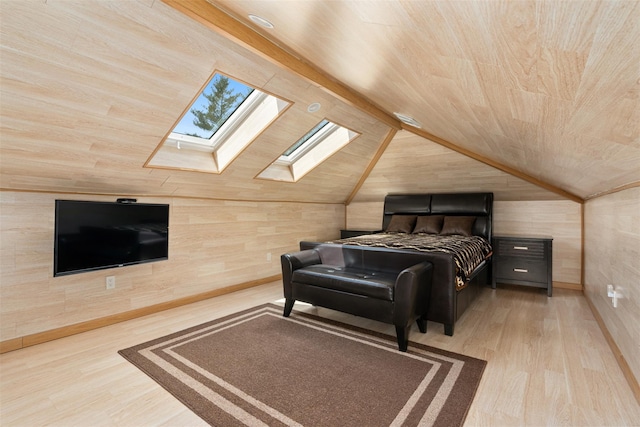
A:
[217,102]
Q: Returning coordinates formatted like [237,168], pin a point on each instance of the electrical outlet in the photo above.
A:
[615,293]
[268,256]
[111,282]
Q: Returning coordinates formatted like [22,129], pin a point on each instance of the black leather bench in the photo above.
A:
[377,284]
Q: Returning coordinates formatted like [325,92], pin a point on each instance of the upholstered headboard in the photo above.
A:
[479,205]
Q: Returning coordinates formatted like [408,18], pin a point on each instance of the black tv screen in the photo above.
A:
[97,235]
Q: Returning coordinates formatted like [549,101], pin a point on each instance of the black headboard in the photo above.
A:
[479,205]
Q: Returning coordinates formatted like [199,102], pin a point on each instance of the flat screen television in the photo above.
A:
[97,235]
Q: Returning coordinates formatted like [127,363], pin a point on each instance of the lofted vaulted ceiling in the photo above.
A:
[528,99]
[550,88]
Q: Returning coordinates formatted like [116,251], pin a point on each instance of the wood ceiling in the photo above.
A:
[546,91]
[550,88]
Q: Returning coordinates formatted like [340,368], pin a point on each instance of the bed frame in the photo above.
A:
[447,303]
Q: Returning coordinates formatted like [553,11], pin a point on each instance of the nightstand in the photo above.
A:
[344,234]
[523,260]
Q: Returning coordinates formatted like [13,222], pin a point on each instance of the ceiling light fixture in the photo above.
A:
[261,21]
[408,120]
[312,108]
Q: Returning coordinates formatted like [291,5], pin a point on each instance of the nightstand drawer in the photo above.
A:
[517,269]
[521,248]
[523,260]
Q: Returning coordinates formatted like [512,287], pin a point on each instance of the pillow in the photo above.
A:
[431,224]
[402,223]
[462,225]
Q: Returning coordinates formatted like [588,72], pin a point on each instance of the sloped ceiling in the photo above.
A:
[549,89]
[412,164]
[89,90]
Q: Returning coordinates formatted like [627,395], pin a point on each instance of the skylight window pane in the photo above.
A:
[305,138]
[325,139]
[223,120]
[218,101]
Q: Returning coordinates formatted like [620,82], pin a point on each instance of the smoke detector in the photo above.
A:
[312,108]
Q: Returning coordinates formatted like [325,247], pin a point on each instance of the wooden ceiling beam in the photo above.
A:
[229,27]
[492,163]
[614,190]
[381,149]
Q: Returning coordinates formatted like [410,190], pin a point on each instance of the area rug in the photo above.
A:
[258,368]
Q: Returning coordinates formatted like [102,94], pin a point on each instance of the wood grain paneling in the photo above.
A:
[548,365]
[93,89]
[412,164]
[558,218]
[612,257]
[89,89]
[535,87]
[509,170]
[89,325]
[213,245]
[548,88]
[221,22]
[365,215]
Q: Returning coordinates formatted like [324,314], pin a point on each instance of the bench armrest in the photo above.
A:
[294,261]
[412,291]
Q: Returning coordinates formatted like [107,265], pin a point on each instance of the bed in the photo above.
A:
[460,256]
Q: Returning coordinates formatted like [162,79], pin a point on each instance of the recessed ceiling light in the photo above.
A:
[312,108]
[261,21]
[408,120]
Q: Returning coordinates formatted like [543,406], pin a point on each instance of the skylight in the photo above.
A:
[218,101]
[299,143]
[314,147]
[223,120]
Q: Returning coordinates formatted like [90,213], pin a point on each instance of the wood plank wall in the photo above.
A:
[561,219]
[213,244]
[558,218]
[612,256]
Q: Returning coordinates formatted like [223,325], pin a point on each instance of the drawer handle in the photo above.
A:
[520,270]
[521,248]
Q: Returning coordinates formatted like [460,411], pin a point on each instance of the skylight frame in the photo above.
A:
[319,147]
[235,134]
[302,144]
[232,122]
[322,131]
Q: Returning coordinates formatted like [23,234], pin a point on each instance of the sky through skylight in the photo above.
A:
[186,126]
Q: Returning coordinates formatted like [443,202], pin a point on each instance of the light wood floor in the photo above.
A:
[548,364]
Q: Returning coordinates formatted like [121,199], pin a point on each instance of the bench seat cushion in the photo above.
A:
[366,283]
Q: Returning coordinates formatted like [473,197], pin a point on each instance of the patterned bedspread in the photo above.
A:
[468,252]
